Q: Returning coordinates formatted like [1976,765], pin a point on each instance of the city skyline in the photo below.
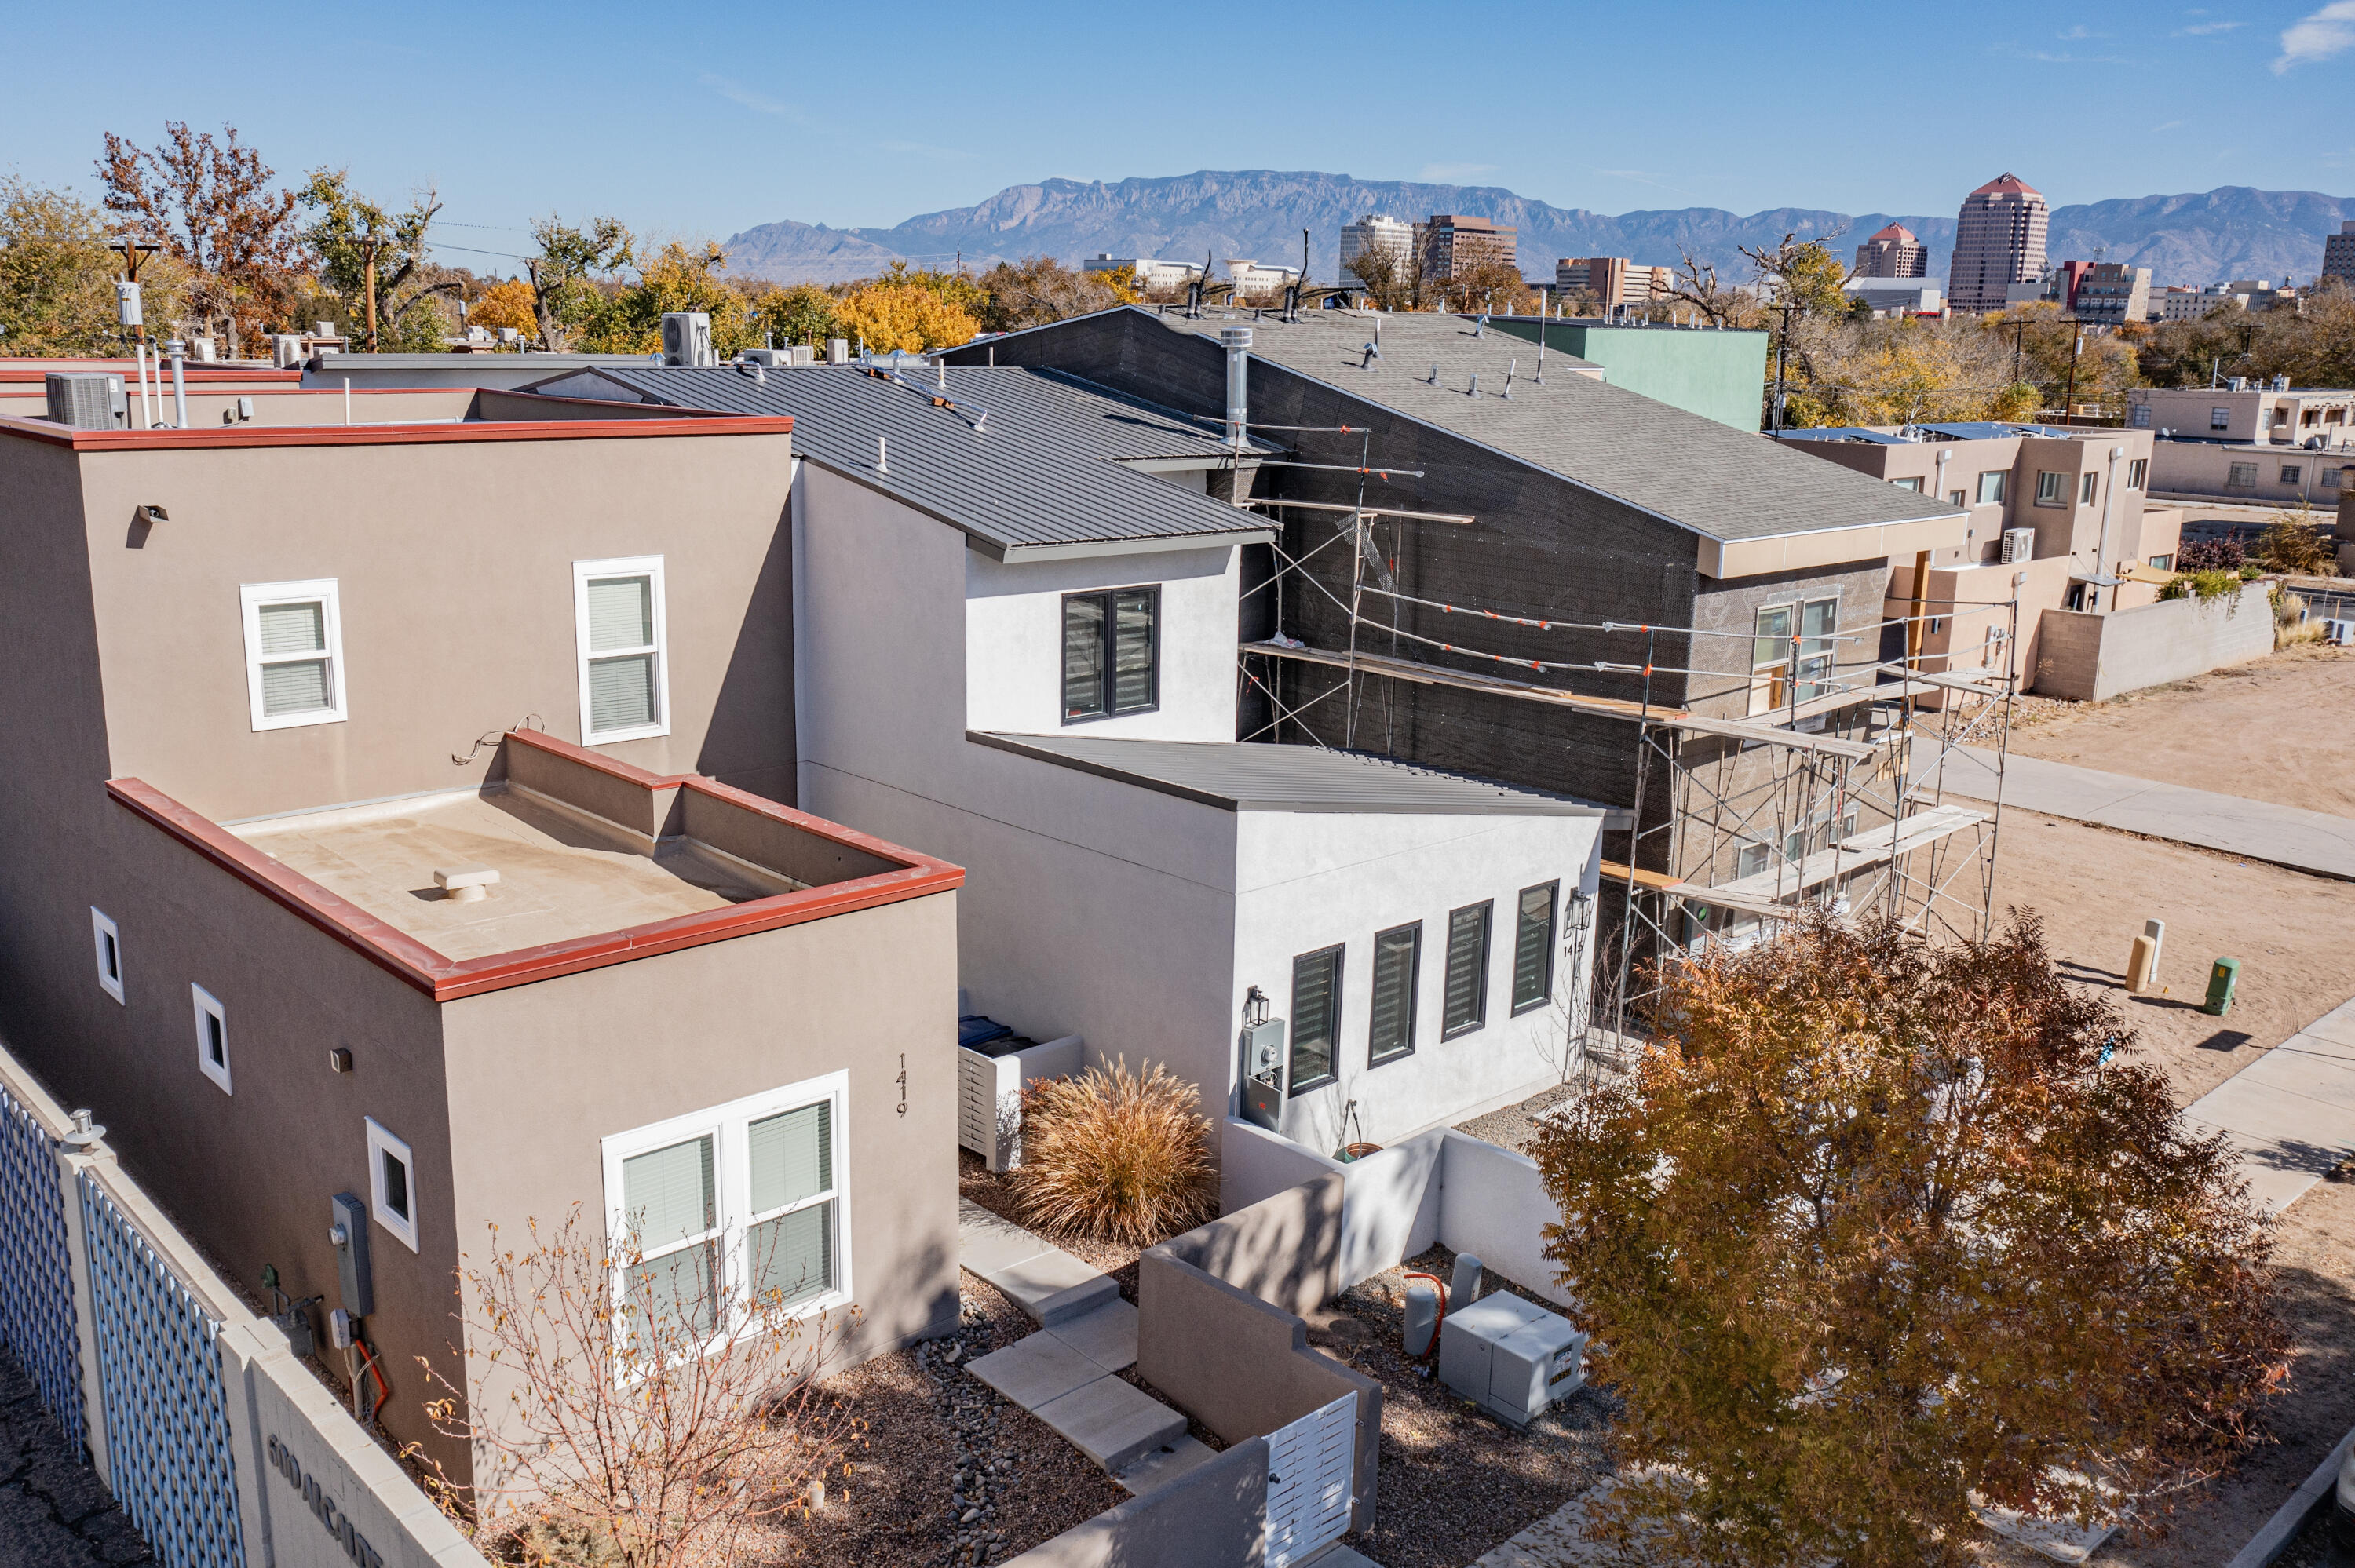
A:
[754,120]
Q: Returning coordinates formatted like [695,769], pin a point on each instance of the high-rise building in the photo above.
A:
[1614,281]
[1455,246]
[2339,253]
[1376,231]
[1894,252]
[1999,242]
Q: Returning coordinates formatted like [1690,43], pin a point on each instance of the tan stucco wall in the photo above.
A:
[454,562]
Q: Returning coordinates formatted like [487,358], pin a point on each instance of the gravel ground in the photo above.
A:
[977,1181]
[1453,1480]
[951,1473]
[54,1512]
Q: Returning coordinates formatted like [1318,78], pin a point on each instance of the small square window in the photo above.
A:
[108,940]
[1993,484]
[2052,488]
[212,1036]
[623,637]
[2220,418]
[2291,472]
[392,1184]
[294,654]
[2140,418]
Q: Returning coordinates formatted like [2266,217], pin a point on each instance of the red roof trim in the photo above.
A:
[130,370]
[445,979]
[394,435]
[540,740]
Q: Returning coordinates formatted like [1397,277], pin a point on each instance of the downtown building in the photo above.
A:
[1894,252]
[1999,242]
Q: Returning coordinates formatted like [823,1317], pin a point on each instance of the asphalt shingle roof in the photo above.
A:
[1046,473]
[1719,482]
[1246,775]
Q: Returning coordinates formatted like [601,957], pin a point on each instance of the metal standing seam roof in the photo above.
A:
[1247,776]
[1693,472]
[1047,474]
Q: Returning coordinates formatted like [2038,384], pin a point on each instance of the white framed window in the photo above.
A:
[2052,488]
[392,1184]
[108,940]
[743,1200]
[617,608]
[212,1036]
[294,654]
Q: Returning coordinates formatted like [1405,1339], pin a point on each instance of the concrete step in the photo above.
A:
[1057,1308]
[1112,1423]
[1106,1334]
[1164,1464]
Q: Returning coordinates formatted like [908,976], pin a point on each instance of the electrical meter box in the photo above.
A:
[1512,1357]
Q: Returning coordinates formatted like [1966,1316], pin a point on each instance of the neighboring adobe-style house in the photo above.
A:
[394,814]
[2059,516]
[1591,513]
[1017,611]
[2289,446]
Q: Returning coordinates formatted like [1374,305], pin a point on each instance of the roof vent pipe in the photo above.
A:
[1237,341]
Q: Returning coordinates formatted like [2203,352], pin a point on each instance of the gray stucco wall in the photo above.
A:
[1215,1514]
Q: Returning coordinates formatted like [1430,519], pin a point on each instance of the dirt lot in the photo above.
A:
[2275,729]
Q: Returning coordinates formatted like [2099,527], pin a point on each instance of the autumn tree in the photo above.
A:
[569,301]
[211,206]
[1696,283]
[1036,291]
[1495,286]
[368,254]
[57,276]
[1850,371]
[508,304]
[1875,1229]
[631,1412]
[801,312]
[1393,278]
[904,316]
[678,277]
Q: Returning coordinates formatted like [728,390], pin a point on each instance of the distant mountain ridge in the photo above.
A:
[2234,231]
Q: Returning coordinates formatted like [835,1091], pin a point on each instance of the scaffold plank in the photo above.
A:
[1874,846]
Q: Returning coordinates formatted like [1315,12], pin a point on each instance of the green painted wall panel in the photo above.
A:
[1717,375]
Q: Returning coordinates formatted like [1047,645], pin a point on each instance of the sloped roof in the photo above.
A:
[1248,775]
[1716,481]
[1898,232]
[1029,463]
[2007,183]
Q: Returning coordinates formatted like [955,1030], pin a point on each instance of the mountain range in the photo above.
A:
[2233,231]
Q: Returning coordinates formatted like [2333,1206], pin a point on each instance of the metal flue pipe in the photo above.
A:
[1237,341]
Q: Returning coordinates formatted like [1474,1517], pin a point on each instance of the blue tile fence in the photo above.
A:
[168,1440]
[36,1306]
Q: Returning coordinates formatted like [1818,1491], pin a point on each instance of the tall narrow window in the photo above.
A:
[212,1036]
[1111,661]
[2087,489]
[1315,1017]
[1533,947]
[2137,470]
[1397,965]
[1467,1006]
[109,943]
[294,654]
[1992,486]
[1770,659]
[790,1243]
[670,1204]
[619,620]
[1818,627]
[392,1184]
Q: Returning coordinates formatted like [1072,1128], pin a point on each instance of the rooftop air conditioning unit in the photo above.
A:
[86,399]
[687,338]
[1512,1357]
[2018,545]
[771,358]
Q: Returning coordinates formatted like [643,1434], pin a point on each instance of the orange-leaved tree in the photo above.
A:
[1878,1232]
[888,315]
[213,208]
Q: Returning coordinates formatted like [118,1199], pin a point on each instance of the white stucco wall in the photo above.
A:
[1014,641]
[1309,880]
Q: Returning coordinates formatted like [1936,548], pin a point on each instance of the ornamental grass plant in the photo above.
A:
[1115,1156]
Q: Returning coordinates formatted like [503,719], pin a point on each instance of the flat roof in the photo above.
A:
[1251,776]
[1029,463]
[598,863]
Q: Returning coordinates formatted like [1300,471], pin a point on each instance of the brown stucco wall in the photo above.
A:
[539,1074]
[455,566]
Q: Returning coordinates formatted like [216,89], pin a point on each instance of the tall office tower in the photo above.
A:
[1894,252]
[1999,242]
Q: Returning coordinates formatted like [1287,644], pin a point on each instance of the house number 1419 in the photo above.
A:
[903,1083]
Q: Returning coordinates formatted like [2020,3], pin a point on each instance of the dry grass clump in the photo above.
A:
[1114,1156]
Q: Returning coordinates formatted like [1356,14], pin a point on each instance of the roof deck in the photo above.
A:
[595,863]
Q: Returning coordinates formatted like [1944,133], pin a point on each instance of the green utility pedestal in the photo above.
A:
[2221,977]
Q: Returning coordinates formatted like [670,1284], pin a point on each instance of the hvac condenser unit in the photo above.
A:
[993,1067]
[1512,1357]
[687,338]
[2018,545]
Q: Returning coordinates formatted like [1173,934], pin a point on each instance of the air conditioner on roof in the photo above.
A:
[687,338]
[2018,545]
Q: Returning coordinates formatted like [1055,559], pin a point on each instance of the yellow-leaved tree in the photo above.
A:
[508,304]
[907,316]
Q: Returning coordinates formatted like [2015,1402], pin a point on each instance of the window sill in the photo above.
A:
[1294,1091]
[297,721]
[1461,1030]
[1069,720]
[1538,1005]
[1372,1061]
[616,737]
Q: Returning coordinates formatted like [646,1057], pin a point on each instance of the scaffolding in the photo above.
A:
[1832,793]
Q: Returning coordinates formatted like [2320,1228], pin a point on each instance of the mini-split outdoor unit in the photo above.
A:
[687,338]
[1512,1357]
[2018,545]
[2339,633]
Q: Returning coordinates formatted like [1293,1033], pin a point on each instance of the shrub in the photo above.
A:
[2201,585]
[2211,556]
[2294,546]
[1114,1156]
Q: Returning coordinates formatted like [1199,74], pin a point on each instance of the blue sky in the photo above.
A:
[703,120]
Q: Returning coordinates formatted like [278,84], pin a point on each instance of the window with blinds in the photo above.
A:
[790,1246]
[294,654]
[1398,954]
[1315,1017]
[670,1206]
[619,606]
[1465,1004]
[1533,947]
[1111,661]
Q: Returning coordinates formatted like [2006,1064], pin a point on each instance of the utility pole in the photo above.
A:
[367,251]
[1782,354]
[2019,338]
[2076,346]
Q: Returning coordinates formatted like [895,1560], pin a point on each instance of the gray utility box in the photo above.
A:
[1512,1357]
[87,399]
[991,1077]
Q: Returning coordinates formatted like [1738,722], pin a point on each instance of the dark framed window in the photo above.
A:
[1315,1017]
[1398,968]
[1112,653]
[1533,947]
[1466,1006]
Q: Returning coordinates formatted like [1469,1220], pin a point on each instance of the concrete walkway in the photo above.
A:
[2291,1112]
[1067,1373]
[2313,842]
